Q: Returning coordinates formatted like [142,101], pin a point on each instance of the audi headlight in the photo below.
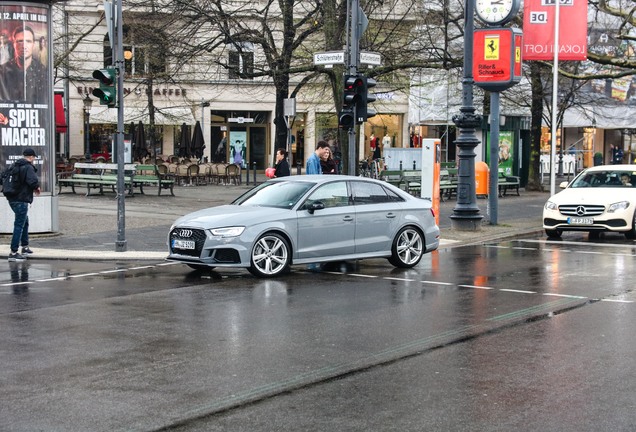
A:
[227,232]
[551,206]
[622,205]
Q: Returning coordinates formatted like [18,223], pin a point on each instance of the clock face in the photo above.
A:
[496,11]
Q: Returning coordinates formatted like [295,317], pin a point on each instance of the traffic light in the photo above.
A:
[107,91]
[351,97]
[363,112]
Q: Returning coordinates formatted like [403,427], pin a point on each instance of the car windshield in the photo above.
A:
[608,178]
[284,194]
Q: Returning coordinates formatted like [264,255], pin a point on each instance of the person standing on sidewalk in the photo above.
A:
[282,166]
[313,162]
[20,200]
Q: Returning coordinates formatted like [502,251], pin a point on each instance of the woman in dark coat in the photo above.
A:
[282,166]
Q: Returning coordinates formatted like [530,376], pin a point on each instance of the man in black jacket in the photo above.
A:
[20,201]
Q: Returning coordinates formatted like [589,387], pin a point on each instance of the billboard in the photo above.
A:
[25,88]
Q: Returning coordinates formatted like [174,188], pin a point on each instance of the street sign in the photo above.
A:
[329,58]
[370,58]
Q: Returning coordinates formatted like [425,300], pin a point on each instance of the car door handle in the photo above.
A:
[347,218]
[391,215]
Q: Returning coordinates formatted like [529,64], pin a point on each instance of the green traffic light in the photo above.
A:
[107,91]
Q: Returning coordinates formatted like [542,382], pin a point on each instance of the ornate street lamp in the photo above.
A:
[88,103]
[466,215]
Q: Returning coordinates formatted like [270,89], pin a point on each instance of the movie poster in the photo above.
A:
[25,88]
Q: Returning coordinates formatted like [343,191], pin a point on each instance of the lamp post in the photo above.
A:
[466,215]
[88,103]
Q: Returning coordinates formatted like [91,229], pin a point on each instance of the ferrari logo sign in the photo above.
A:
[491,47]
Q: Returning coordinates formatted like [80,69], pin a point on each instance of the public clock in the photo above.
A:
[494,12]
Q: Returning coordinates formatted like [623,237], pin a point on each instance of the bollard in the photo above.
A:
[298,165]
[414,165]
[254,168]
[400,165]
[247,172]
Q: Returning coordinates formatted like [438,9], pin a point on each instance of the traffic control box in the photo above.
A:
[482,179]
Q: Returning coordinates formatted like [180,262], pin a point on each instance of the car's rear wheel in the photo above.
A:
[270,256]
[631,234]
[408,248]
[553,233]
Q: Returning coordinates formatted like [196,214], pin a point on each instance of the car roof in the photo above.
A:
[320,178]
[623,167]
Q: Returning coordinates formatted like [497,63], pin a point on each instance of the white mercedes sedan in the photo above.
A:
[307,219]
[600,198]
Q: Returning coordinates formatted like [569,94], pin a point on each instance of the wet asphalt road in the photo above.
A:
[521,335]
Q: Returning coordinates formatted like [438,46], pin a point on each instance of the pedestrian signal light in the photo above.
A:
[107,91]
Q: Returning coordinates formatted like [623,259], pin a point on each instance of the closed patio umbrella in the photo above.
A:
[198,143]
[140,140]
[184,145]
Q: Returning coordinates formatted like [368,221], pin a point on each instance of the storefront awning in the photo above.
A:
[60,116]
[163,116]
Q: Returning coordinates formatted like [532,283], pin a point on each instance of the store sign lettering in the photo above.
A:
[141,91]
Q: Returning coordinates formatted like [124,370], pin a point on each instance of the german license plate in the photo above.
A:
[183,244]
[580,221]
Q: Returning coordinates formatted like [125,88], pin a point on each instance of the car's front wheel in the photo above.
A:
[631,234]
[553,233]
[270,256]
[408,248]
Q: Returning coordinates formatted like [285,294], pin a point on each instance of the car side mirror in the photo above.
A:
[563,185]
[316,205]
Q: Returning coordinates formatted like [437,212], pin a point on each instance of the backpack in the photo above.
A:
[11,181]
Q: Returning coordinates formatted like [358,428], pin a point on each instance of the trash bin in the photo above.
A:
[482,178]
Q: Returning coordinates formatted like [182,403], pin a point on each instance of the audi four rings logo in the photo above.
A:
[184,233]
[580,210]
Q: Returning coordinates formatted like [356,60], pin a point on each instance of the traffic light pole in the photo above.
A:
[352,70]
[120,244]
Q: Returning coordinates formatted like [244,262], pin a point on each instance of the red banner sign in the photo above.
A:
[538,29]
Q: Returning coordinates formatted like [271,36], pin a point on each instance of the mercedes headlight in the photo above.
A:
[551,206]
[622,205]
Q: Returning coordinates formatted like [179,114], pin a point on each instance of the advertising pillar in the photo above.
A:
[26,105]
[431,152]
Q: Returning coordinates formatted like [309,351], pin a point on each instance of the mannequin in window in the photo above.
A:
[386,141]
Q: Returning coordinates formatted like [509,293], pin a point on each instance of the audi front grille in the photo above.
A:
[196,235]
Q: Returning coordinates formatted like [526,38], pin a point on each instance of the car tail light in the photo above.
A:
[433,212]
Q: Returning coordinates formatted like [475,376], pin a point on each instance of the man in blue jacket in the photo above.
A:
[313,162]
[19,201]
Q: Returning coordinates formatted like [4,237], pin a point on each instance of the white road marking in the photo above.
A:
[475,286]
[564,295]
[517,291]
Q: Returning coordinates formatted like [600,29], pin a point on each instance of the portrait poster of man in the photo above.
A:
[25,87]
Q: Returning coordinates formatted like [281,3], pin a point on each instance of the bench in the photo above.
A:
[411,181]
[94,176]
[447,183]
[150,175]
[393,177]
[506,183]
